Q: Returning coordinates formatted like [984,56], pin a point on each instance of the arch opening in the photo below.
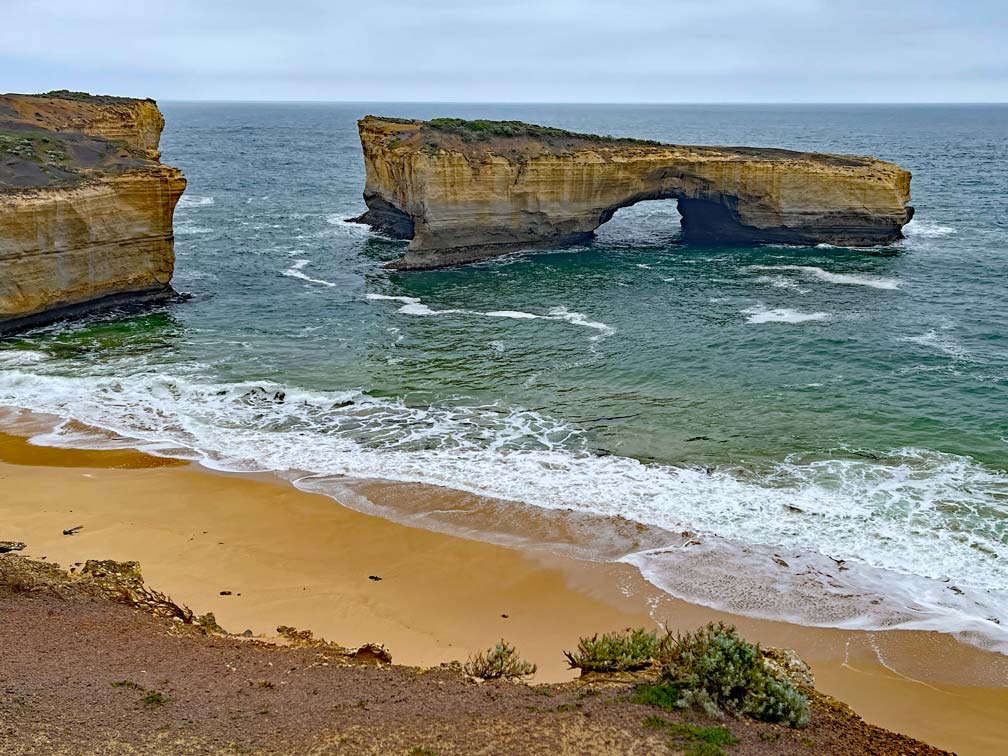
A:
[645,223]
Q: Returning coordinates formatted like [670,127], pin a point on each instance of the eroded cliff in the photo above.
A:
[466,190]
[85,206]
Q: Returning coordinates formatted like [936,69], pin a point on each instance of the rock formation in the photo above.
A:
[85,206]
[466,190]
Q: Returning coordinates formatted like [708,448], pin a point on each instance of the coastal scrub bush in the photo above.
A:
[481,129]
[154,698]
[633,648]
[500,662]
[716,671]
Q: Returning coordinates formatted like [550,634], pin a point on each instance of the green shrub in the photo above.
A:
[481,129]
[716,671]
[154,698]
[696,740]
[500,662]
[633,648]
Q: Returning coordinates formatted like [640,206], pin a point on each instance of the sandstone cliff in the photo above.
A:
[466,190]
[85,207]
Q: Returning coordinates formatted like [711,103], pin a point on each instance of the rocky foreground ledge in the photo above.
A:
[467,190]
[94,661]
[85,206]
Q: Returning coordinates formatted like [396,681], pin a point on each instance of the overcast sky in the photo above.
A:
[511,50]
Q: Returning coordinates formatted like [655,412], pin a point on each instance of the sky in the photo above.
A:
[511,50]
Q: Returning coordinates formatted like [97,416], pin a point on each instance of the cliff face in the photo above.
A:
[462,191]
[85,207]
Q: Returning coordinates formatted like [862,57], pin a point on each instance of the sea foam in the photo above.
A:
[295,271]
[414,306]
[848,279]
[782,315]
[192,200]
[946,513]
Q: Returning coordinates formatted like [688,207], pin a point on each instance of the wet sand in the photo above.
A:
[295,558]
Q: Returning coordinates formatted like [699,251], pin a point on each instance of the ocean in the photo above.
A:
[813,434]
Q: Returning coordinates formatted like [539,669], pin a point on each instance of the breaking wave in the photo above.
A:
[761,314]
[295,271]
[910,538]
[849,279]
[414,306]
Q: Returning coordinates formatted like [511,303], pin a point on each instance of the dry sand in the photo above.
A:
[295,558]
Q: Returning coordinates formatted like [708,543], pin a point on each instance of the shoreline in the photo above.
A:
[297,558]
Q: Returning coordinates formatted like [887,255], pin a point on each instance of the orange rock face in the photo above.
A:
[461,192]
[85,207]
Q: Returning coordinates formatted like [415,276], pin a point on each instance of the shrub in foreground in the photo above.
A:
[500,662]
[633,648]
[715,670]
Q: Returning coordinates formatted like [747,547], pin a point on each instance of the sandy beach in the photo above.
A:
[259,553]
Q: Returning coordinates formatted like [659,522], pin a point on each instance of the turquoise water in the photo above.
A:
[845,410]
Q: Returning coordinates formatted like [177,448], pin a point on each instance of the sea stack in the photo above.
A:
[466,190]
[85,206]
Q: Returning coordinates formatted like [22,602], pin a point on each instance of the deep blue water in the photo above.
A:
[830,404]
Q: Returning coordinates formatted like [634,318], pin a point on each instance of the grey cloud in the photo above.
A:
[544,50]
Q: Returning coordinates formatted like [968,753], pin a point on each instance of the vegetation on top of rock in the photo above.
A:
[497,663]
[633,648]
[67,94]
[716,671]
[480,129]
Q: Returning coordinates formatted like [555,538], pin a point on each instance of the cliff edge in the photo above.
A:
[85,206]
[466,190]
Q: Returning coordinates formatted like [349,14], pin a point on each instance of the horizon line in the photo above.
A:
[580,102]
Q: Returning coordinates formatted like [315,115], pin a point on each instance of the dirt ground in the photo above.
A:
[83,674]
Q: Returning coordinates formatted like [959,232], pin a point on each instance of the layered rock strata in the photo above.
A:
[85,206]
[466,190]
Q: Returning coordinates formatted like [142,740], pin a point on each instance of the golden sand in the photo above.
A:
[301,559]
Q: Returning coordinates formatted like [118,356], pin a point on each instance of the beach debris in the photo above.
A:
[6,546]
[373,577]
[780,562]
[73,530]
[504,616]
[225,593]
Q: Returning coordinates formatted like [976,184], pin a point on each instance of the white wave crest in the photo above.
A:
[927,228]
[10,358]
[925,531]
[192,200]
[780,282]
[783,315]
[188,229]
[414,306]
[941,342]
[295,271]
[849,279]
[342,222]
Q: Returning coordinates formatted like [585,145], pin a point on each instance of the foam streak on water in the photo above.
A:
[413,306]
[847,279]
